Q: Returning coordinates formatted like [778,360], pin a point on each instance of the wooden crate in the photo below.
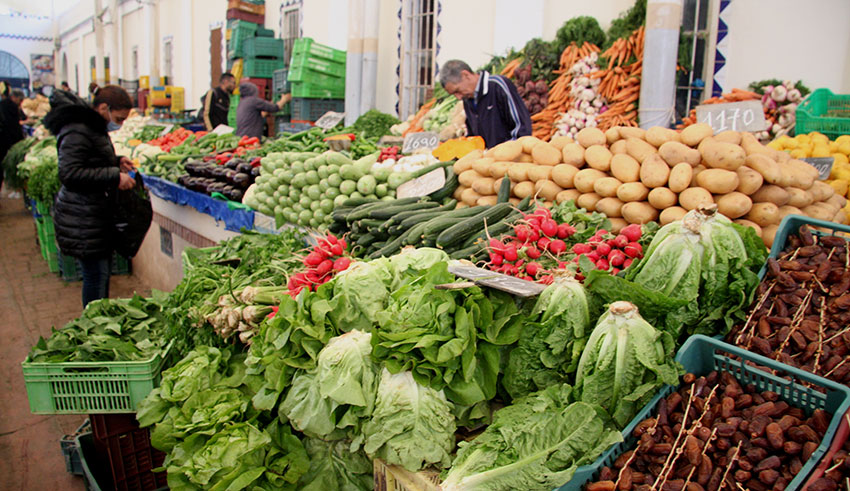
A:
[395,478]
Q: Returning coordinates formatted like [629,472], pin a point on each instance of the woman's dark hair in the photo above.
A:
[114,96]
[93,88]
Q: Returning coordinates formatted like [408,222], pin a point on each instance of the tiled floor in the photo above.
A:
[32,300]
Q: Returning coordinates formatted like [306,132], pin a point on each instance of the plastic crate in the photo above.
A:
[313,109]
[304,74]
[42,208]
[132,459]
[231,111]
[91,388]
[396,478]
[303,60]
[309,91]
[310,48]
[261,67]
[792,223]
[96,473]
[288,127]
[701,355]
[263,46]
[280,82]
[236,14]
[121,265]
[105,425]
[256,8]
[263,86]
[69,269]
[824,112]
[70,451]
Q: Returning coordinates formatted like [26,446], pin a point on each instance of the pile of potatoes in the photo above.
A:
[637,176]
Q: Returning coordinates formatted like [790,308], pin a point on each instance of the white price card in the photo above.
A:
[734,116]
[223,129]
[166,129]
[423,185]
[421,140]
[822,164]
[329,120]
[499,281]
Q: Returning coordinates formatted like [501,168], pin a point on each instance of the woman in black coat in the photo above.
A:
[90,174]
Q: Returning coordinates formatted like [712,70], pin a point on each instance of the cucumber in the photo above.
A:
[436,225]
[354,202]
[466,252]
[461,231]
[398,218]
[504,190]
[387,212]
[502,227]
[388,249]
[422,217]
[414,235]
[449,188]
[370,223]
[421,172]
[365,240]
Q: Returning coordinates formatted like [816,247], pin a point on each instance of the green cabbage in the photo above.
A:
[359,293]
[625,362]
[333,467]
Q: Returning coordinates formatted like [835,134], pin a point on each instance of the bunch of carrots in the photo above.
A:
[621,81]
[510,68]
[737,95]
[419,118]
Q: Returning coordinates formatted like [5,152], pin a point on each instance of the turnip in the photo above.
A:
[794,95]
[779,93]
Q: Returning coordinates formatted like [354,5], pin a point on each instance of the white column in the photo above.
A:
[368,89]
[117,59]
[354,60]
[660,50]
[98,43]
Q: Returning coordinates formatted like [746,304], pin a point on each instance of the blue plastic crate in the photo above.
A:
[71,452]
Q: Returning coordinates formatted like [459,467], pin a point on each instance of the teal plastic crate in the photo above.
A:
[312,49]
[263,46]
[69,269]
[91,387]
[302,61]
[792,223]
[280,82]
[307,75]
[265,33]
[304,109]
[701,355]
[824,112]
[261,67]
[311,91]
[231,111]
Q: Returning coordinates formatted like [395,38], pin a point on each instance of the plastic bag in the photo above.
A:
[133,216]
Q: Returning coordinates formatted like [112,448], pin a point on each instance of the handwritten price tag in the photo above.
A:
[735,116]
[499,281]
[166,129]
[329,120]
[424,185]
[822,164]
[416,141]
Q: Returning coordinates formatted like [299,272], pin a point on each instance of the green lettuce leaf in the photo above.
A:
[334,467]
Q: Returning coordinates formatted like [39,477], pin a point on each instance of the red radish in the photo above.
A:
[617,258]
[627,263]
[332,239]
[325,267]
[582,249]
[601,232]
[341,264]
[527,278]
[534,222]
[620,241]
[522,233]
[510,254]
[602,264]
[497,246]
[557,247]
[313,259]
[544,212]
[632,232]
[603,249]
[549,227]
[565,230]
[342,243]
[312,276]
[336,249]
[615,271]
[532,269]
[532,252]
[593,256]
[495,259]
[633,250]
[547,280]
[533,235]
[519,263]
[579,276]
[543,243]
[562,264]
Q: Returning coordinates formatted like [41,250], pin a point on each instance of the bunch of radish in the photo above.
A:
[610,252]
[323,262]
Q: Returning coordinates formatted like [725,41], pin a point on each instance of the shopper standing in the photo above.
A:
[249,114]
[11,130]
[216,102]
[494,110]
[90,174]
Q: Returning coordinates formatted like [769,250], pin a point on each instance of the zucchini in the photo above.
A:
[365,240]
[354,202]
[421,172]
[504,190]
[387,212]
[461,231]
[448,189]
[422,217]
[414,235]
[388,249]
[436,225]
[466,252]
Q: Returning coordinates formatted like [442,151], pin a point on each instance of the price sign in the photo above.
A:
[735,116]
[223,129]
[166,129]
[424,185]
[822,164]
[423,139]
[329,120]
[499,281]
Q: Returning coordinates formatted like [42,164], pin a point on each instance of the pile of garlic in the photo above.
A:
[586,103]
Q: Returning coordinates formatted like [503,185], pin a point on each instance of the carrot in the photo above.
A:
[415,125]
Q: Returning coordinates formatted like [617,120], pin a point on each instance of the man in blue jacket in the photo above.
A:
[494,109]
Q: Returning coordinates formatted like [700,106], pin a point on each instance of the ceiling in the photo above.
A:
[40,7]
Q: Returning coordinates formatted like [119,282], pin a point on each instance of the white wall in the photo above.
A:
[23,48]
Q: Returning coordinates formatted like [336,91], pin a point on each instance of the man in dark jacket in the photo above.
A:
[11,116]
[494,110]
[249,114]
[216,102]
[90,174]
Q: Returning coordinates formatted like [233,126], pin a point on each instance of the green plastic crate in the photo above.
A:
[312,49]
[301,61]
[319,79]
[280,82]
[42,208]
[304,109]
[231,111]
[791,224]
[120,264]
[93,387]
[260,67]
[701,355]
[311,91]
[242,24]
[265,33]
[263,46]
[824,112]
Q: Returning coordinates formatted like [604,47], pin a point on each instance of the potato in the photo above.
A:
[804,166]
[524,189]
[540,173]
[546,154]
[514,201]
[482,166]
[525,158]
[573,154]
[674,153]
[618,224]
[567,195]
[672,214]
[819,212]
[718,181]
[778,155]
[639,212]
[466,178]
[591,136]
[766,166]
[654,172]
[792,176]
[662,198]
[821,191]
[548,204]
[612,135]
[487,200]
[768,234]
[618,147]
[484,186]
[606,186]
[639,149]
[729,136]
[584,179]
[458,192]
[547,189]
[627,132]
[528,142]
[789,210]
[746,223]
[734,205]
[470,197]
[840,217]
[632,191]
[680,177]
[499,169]
[659,135]
[749,181]
[799,198]
[751,145]
[465,163]
[508,150]
[837,200]
[692,198]
[518,172]
[563,175]
[625,168]
[611,207]
[770,193]
[696,172]
[461,205]
[598,157]
[588,201]
[559,142]
[695,133]
[721,155]
[763,214]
